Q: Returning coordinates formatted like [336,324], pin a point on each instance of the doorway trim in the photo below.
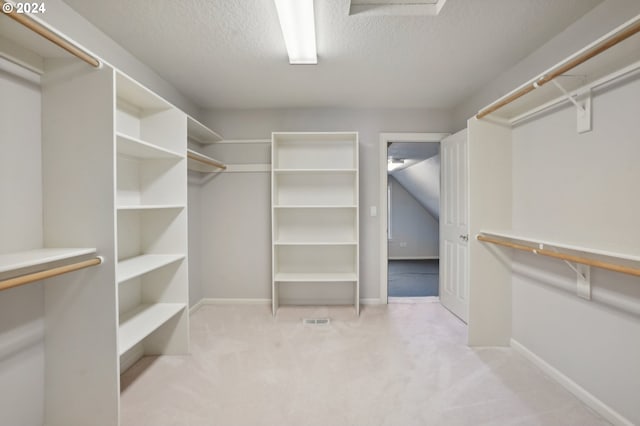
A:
[385,138]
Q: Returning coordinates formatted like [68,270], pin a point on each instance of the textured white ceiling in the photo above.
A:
[230,54]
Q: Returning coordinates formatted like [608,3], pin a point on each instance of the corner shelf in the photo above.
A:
[140,265]
[200,133]
[140,322]
[134,94]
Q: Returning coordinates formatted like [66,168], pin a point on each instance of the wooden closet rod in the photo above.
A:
[563,256]
[208,162]
[595,50]
[45,32]
[53,272]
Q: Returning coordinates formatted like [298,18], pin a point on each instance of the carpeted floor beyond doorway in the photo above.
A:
[413,278]
[396,365]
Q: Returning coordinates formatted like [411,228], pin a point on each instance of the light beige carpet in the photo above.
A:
[397,365]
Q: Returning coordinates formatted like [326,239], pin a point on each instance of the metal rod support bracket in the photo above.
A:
[582,102]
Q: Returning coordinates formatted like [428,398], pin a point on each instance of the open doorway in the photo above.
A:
[413,219]
[410,219]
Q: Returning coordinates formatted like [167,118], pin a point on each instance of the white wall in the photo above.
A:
[415,232]
[65,20]
[587,193]
[236,207]
[596,23]
[21,309]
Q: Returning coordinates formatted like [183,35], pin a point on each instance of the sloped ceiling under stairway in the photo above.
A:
[231,54]
[422,181]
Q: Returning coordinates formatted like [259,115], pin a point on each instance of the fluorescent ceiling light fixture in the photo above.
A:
[299,30]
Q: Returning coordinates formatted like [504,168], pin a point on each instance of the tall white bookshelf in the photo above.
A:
[151,200]
[315,226]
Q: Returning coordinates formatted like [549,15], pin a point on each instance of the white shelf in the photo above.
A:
[133,147]
[303,206]
[201,133]
[315,277]
[561,245]
[613,63]
[315,243]
[134,207]
[14,262]
[137,95]
[138,323]
[203,163]
[307,150]
[140,265]
[296,171]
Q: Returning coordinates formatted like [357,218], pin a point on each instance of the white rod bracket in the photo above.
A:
[583,281]
[583,107]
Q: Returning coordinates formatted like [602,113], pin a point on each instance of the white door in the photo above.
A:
[454,226]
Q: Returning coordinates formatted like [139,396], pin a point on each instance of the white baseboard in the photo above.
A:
[234,301]
[372,301]
[222,301]
[414,300]
[581,393]
[194,308]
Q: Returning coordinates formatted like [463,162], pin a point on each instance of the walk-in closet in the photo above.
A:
[201,201]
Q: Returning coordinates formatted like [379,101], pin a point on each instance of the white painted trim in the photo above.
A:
[414,257]
[414,300]
[581,393]
[195,307]
[385,138]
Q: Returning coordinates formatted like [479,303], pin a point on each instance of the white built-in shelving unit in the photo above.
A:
[200,165]
[315,215]
[114,179]
[151,224]
[606,62]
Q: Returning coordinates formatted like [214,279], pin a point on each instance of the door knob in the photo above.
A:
[464,237]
